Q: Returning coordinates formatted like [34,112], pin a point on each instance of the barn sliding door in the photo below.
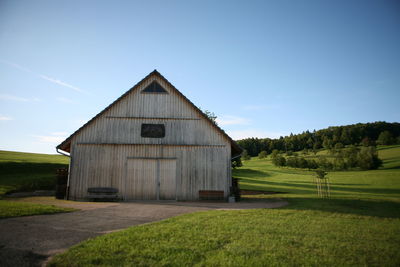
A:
[167,178]
[141,179]
[150,179]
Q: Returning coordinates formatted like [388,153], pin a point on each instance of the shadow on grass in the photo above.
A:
[24,167]
[306,187]
[383,209]
[390,168]
[27,177]
[274,186]
[250,172]
[388,147]
[304,182]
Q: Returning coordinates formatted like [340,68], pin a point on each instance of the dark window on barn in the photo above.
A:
[154,87]
[153,130]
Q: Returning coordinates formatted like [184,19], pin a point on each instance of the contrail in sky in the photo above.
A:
[44,77]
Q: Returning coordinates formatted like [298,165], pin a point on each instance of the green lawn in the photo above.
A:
[16,209]
[382,184]
[28,171]
[358,226]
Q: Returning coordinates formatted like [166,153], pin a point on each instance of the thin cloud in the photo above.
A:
[44,77]
[17,66]
[53,138]
[18,98]
[53,80]
[232,120]
[5,118]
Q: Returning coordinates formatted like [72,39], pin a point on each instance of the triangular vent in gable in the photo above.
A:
[154,87]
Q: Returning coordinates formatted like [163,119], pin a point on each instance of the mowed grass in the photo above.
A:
[358,226]
[16,209]
[28,171]
[245,238]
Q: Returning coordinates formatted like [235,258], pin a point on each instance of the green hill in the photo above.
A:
[28,171]
[384,183]
[373,192]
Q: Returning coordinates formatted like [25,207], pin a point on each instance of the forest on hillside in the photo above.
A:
[364,134]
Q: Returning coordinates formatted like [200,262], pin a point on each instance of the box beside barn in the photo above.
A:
[152,143]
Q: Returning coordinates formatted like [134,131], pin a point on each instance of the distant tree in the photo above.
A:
[324,164]
[351,153]
[274,153]
[262,155]
[289,153]
[302,163]
[368,158]
[310,143]
[345,138]
[320,174]
[361,133]
[315,148]
[339,163]
[338,146]
[385,138]
[327,143]
[279,160]
[291,162]
[211,116]
[312,164]
[366,141]
[245,155]
[236,162]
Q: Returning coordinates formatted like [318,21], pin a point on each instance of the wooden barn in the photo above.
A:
[151,143]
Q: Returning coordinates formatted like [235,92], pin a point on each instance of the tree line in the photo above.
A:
[364,158]
[365,134]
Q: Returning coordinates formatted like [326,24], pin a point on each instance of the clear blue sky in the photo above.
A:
[265,68]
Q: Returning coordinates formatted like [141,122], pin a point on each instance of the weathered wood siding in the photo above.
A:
[103,153]
[197,168]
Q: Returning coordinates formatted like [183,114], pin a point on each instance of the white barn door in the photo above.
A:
[150,179]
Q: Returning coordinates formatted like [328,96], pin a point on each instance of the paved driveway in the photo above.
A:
[29,241]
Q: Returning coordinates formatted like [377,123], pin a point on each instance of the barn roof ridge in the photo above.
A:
[234,145]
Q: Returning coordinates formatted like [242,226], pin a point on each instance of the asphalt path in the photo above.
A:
[32,240]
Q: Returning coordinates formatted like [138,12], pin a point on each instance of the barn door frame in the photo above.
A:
[157,180]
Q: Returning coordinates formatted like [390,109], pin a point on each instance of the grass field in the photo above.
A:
[28,171]
[358,226]
[17,209]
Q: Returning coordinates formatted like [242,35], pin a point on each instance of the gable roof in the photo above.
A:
[236,149]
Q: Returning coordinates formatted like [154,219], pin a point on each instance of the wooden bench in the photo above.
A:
[102,193]
[211,195]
